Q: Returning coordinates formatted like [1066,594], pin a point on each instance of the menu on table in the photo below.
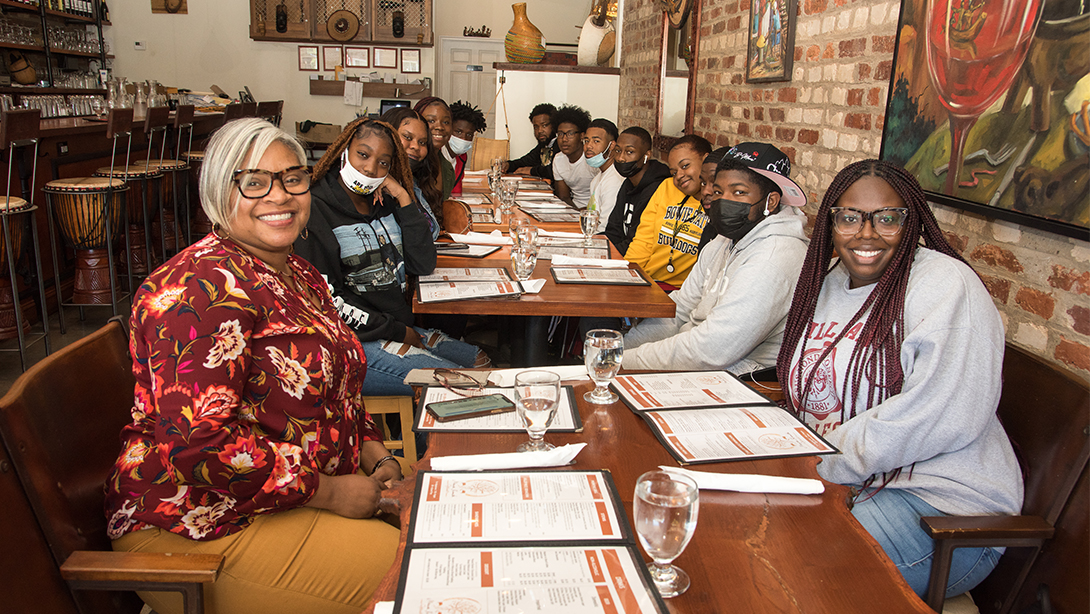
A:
[711,416]
[546,252]
[474,199]
[481,210]
[554,216]
[598,275]
[595,242]
[482,218]
[465,290]
[544,541]
[442,274]
[567,419]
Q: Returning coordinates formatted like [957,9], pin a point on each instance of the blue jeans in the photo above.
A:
[892,517]
[388,362]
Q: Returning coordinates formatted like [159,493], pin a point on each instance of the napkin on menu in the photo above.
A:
[748,482]
[560,234]
[479,238]
[505,378]
[532,286]
[604,263]
[384,607]
[561,455]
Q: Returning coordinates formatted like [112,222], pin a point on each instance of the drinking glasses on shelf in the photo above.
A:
[603,349]
[536,396]
[588,223]
[523,260]
[665,508]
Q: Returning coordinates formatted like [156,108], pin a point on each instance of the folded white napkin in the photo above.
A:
[480,173]
[384,607]
[605,263]
[505,378]
[512,460]
[532,286]
[748,482]
[560,234]
[479,238]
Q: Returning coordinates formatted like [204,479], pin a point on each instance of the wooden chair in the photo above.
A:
[403,408]
[60,423]
[457,217]
[270,110]
[1044,412]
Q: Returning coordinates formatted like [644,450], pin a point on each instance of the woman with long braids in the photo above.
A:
[423,160]
[366,236]
[894,353]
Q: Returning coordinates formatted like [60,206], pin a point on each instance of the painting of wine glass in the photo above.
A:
[988,108]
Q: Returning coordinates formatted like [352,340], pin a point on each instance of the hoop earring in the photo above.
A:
[216,228]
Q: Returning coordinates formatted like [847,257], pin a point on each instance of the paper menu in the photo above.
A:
[591,275]
[443,274]
[540,506]
[567,419]
[573,580]
[464,290]
[684,390]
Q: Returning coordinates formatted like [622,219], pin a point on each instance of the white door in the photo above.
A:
[464,72]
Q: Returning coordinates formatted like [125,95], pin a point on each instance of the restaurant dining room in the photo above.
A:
[573,306]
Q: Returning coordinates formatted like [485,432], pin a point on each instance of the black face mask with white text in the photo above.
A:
[730,218]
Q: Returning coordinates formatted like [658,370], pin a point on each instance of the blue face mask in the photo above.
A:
[600,159]
[460,146]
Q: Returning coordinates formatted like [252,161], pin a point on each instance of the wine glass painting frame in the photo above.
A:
[1027,158]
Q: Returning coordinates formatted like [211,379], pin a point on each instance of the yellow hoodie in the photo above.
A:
[669,232]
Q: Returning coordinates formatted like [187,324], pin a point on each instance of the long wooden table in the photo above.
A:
[751,553]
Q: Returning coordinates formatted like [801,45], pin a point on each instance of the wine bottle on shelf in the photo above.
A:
[104,10]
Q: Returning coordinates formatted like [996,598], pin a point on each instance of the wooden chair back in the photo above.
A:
[233,111]
[249,109]
[402,407]
[20,127]
[456,217]
[270,110]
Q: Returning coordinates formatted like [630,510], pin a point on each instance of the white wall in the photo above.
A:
[597,94]
[211,45]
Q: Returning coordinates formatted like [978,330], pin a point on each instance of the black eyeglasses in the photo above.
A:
[458,383]
[886,222]
[257,183]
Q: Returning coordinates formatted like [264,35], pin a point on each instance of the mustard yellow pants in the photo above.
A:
[299,561]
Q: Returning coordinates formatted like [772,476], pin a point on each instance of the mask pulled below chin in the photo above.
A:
[730,218]
[459,146]
[356,181]
[600,159]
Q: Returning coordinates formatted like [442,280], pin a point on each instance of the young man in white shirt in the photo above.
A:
[599,147]
[571,173]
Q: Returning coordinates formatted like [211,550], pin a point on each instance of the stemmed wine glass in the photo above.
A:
[974,50]
[588,223]
[603,349]
[665,510]
[536,397]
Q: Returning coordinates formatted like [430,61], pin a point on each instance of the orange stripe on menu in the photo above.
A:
[435,484]
[631,386]
[680,448]
[486,570]
[429,420]
[662,423]
[595,566]
[603,518]
[810,437]
[595,488]
[475,520]
[527,491]
[737,443]
[752,416]
[606,599]
[620,582]
[652,400]
[713,395]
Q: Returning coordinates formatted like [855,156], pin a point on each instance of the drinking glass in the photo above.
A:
[523,260]
[512,185]
[588,223]
[513,225]
[602,350]
[665,508]
[536,396]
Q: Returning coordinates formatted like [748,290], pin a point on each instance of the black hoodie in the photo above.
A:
[631,201]
[367,258]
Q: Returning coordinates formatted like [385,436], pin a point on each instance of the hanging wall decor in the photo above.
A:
[174,7]
[771,50]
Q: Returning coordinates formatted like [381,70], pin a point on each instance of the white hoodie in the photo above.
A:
[732,308]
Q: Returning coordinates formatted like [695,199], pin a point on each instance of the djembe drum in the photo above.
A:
[11,204]
[142,208]
[78,204]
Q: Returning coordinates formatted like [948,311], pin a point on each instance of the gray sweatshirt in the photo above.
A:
[732,308]
[943,423]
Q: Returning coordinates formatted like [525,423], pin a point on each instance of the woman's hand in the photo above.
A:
[389,472]
[352,496]
[396,190]
[413,338]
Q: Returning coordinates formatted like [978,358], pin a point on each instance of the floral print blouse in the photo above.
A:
[245,391]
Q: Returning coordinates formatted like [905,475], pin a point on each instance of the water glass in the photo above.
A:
[527,233]
[602,351]
[537,394]
[511,185]
[588,223]
[665,508]
[523,260]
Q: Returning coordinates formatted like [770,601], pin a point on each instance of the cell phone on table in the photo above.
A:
[470,407]
[451,247]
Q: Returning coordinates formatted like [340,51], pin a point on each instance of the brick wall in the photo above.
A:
[831,114]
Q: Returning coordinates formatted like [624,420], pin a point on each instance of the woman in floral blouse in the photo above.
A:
[249,436]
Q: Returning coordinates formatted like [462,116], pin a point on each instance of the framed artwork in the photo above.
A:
[771,50]
[410,61]
[385,57]
[332,57]
[357,57]
[308,57]
[1008,138]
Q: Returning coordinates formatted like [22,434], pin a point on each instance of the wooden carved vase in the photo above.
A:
[523,43]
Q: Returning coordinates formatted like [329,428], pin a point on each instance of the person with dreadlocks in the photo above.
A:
[468,121]
[894,354]
[366,236]
[424,161]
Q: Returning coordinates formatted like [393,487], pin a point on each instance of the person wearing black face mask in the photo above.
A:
[642,177]
[732,308]
[423,161]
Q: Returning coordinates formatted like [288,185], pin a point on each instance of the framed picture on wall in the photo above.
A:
[357,57]
[308,57]
[771,50]
[410,61]
[1020,129]
[332,57]
[385,57]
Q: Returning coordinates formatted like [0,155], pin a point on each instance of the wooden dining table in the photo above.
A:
[751,553]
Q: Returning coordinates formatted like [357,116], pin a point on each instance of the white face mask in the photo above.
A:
[460,146]
[356,181]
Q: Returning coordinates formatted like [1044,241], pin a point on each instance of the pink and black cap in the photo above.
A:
[770,162]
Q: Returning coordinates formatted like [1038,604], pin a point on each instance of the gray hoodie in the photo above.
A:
[732,308]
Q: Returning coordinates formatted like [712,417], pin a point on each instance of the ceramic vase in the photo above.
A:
[523,43]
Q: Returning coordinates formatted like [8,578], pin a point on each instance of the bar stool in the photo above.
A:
[19,130]
[234,111]
[90,212]
[156,122]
